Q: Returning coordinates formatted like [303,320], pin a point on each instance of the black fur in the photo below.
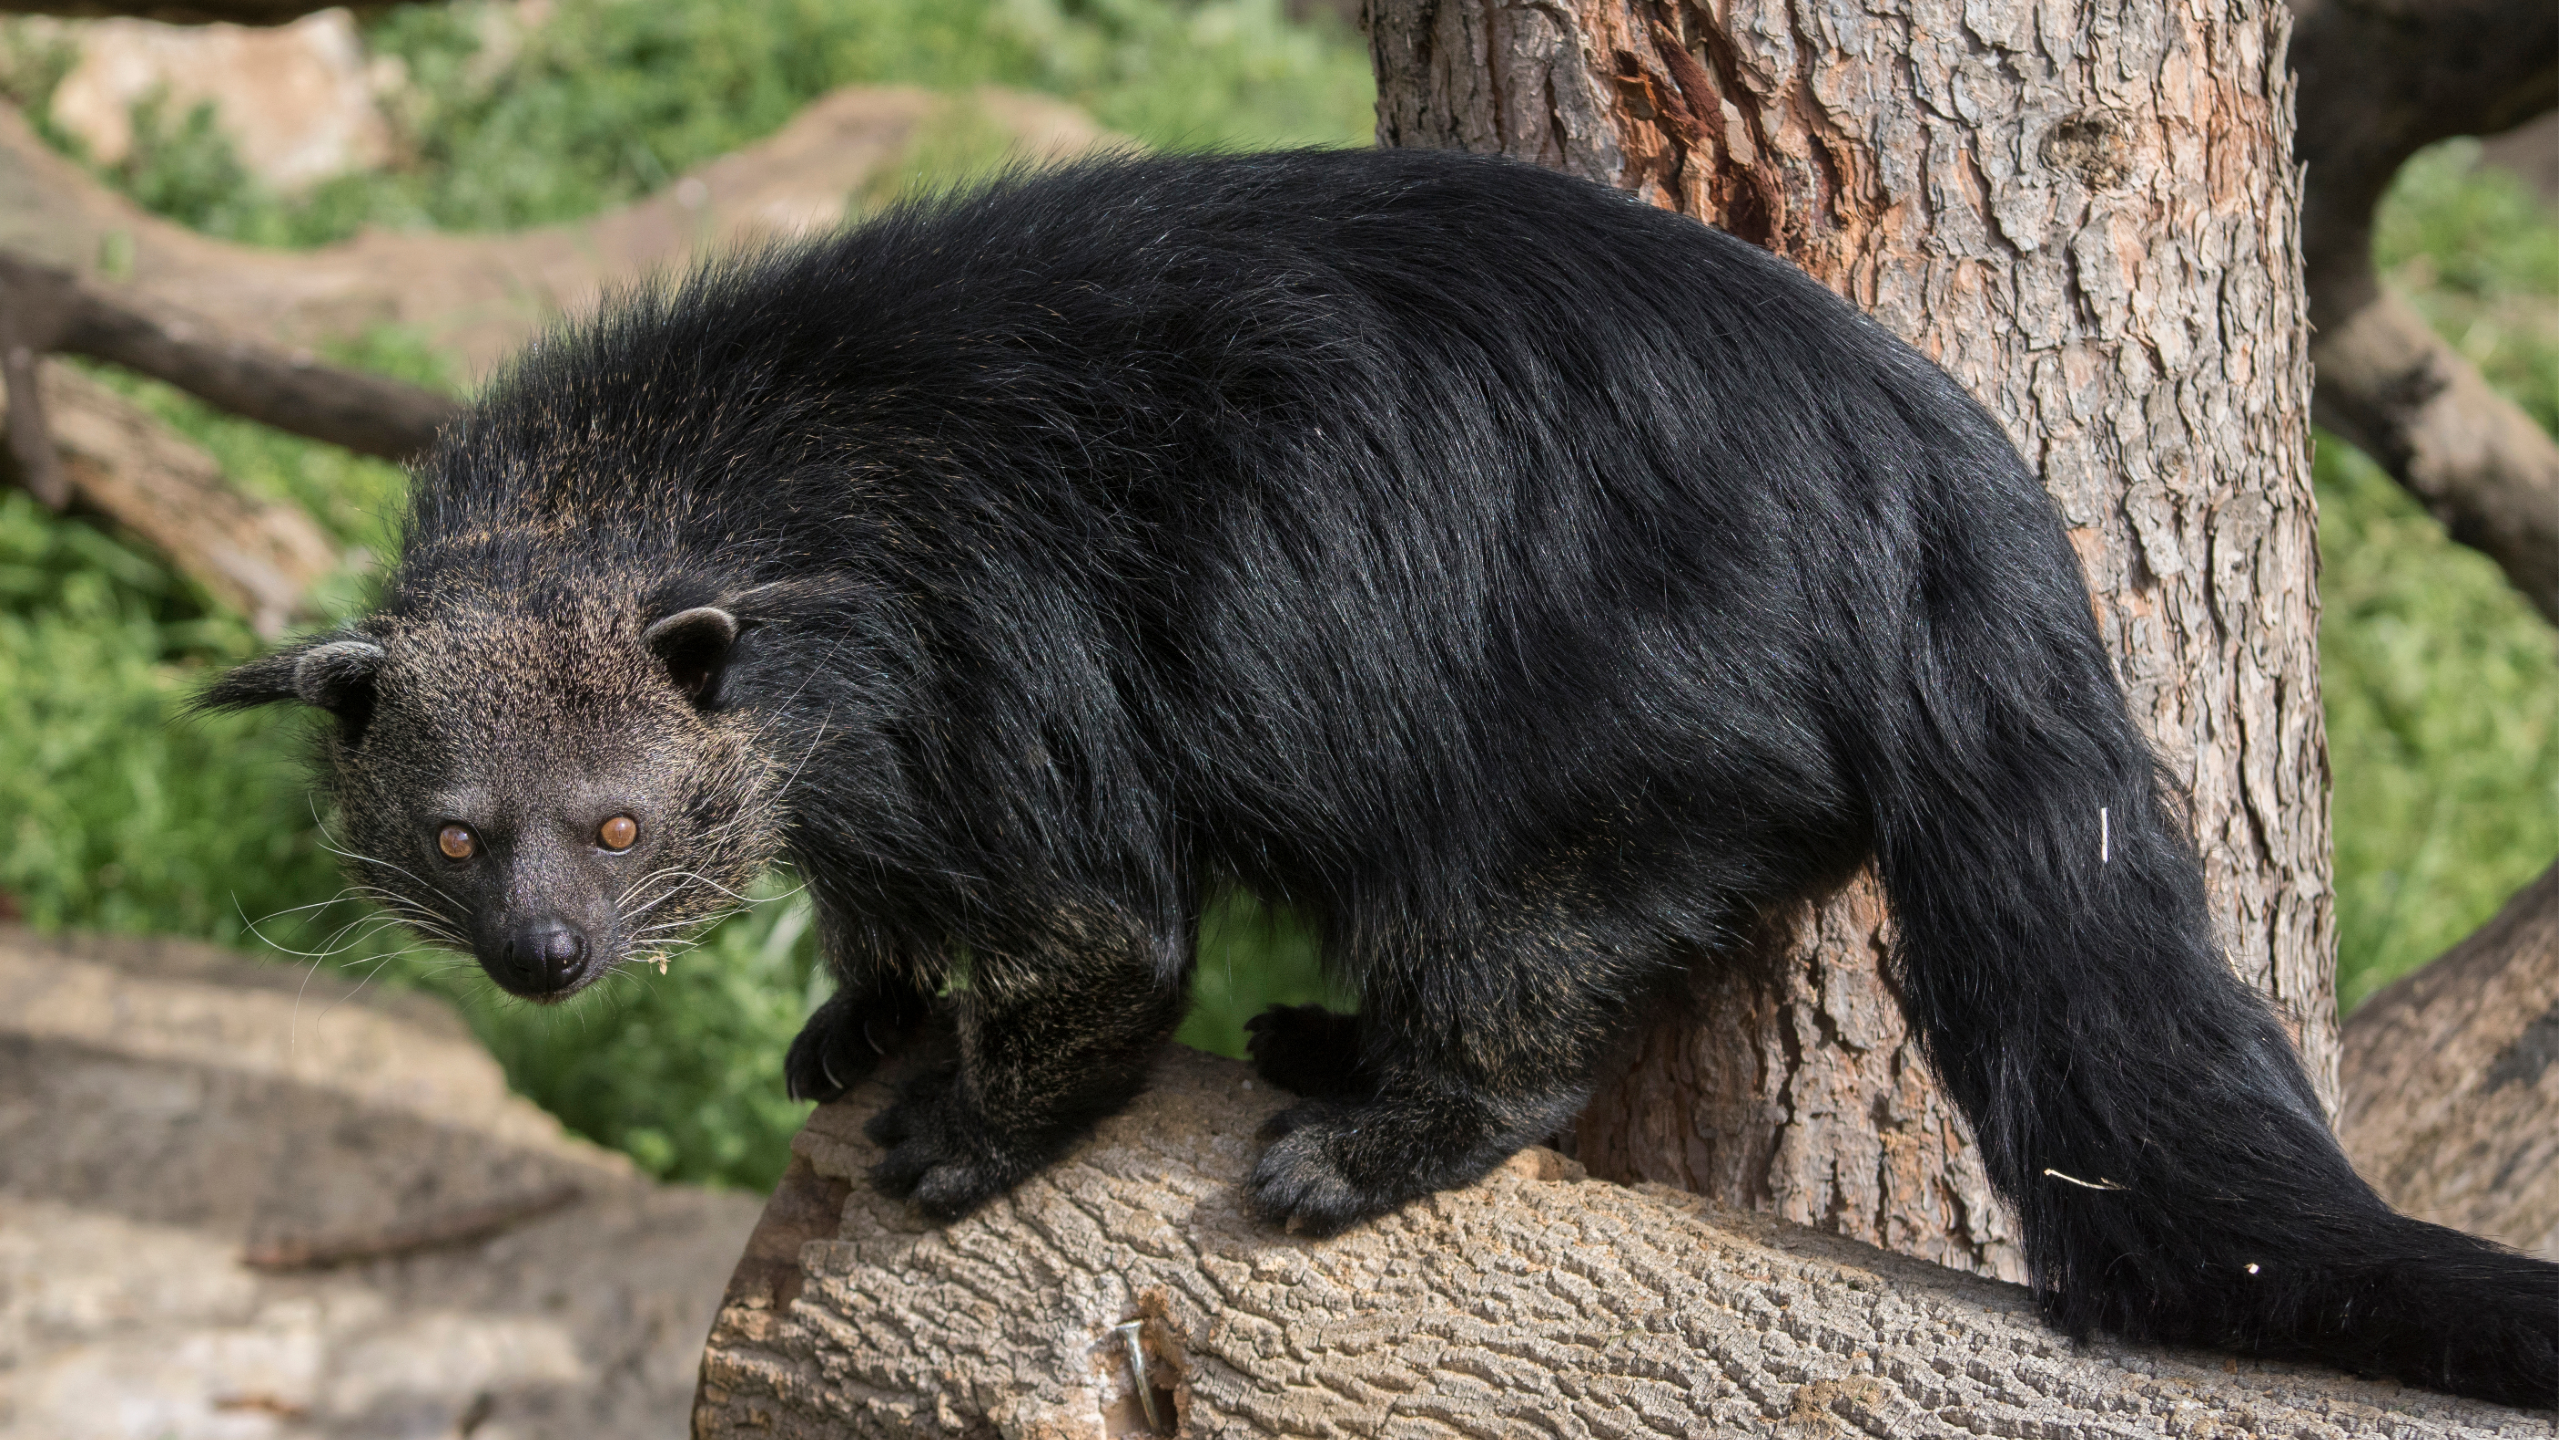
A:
[1532,586]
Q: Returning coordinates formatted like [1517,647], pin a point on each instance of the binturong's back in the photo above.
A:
[1531,586]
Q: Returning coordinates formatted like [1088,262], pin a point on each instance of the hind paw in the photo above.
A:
[940,1156]
[1305,1181]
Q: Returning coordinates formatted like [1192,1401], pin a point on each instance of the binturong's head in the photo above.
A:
[557,789]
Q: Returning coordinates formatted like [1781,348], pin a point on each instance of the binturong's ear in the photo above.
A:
[694,645]
[332,675]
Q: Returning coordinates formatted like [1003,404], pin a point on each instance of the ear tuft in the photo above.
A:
[338,677]
[335,675]
[266,680]
[694,646]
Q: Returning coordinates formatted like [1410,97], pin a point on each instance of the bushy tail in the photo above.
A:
[2136,1104]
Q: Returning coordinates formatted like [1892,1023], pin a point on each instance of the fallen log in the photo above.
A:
[1535,1302]
[288,389]
[175,12]
[258,557]
[479,297]
[446,1230]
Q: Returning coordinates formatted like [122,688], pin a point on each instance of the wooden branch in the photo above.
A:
[2378,80]
[479,298]
[2392,387]
[266,383]
[258,557]
[1537,1302]
[30,432]
[2452,1080]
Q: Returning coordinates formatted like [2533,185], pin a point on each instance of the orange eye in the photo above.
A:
[456,842]
[618,832]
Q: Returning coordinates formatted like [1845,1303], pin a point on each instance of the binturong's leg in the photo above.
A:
[1056,1031]
[878,1001]
[1311,1051]
[1459,1063]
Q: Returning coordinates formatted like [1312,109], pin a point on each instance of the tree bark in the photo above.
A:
[2380,79]
[1533,1303]
[2086,214]
[2452,1080]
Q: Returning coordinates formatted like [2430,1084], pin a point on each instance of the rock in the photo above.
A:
[296,100]
[165,1106]
[1537,1302]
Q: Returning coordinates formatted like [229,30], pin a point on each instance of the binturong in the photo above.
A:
[1531,587]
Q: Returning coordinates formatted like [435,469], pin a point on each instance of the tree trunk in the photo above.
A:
[2087,215]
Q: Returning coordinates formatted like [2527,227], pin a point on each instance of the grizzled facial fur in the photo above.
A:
[552,792]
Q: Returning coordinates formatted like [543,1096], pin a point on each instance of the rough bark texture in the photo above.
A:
[2086,214]
[1534,1303]
[254,556]
[2452,1091]
[2379,80]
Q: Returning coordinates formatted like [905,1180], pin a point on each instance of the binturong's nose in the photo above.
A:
[542,959]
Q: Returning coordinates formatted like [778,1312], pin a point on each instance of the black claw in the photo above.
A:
[845,1041]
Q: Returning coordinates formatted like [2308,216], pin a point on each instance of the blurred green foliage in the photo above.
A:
[2475,250]
[2438,679]
[1252,955]
[500,126]
[118,813]
[111,815]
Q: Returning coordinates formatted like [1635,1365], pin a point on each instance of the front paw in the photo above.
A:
[843,1042]
[940,1155]
[1308,1050]
[1304,1183]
